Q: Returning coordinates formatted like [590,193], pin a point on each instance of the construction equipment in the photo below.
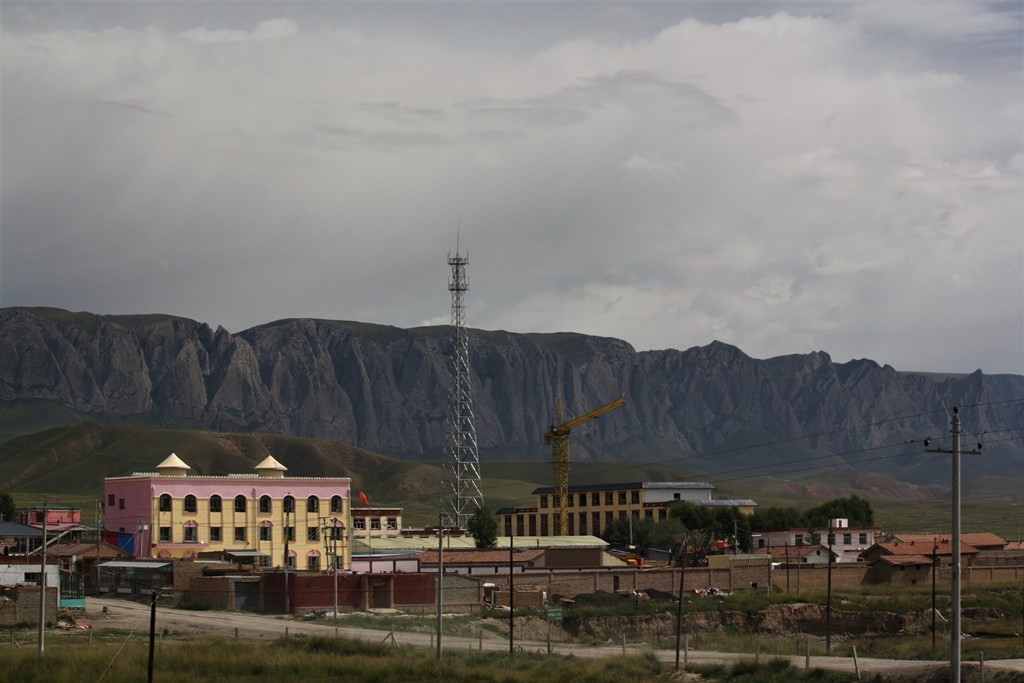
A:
[558,437]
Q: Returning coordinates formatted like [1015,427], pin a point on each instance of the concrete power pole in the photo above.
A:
[954,607]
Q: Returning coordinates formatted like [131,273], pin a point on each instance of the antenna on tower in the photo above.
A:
[463,457]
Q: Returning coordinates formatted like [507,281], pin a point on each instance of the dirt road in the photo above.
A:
[188,624]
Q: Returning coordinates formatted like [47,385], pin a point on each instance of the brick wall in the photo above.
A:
[22,605]
[567,584]
[850,575]
[210,592]
[816,576]
[185,571]
[999,558]
[992,574]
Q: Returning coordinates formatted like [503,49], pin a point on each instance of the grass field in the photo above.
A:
[300,660]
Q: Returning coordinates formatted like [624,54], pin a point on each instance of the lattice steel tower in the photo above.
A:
[463,456]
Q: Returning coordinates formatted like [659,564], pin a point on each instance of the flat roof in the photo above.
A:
[628,486]
[19,530]
[386,545]
[124,564]
[245,553]
[726,503]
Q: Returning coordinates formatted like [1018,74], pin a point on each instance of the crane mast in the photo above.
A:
[558,437]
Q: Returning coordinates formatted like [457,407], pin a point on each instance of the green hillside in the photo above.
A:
[66,466]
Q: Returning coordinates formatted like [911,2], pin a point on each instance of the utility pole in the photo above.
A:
[935,551]
[511,598]
[42,588]
[331,536]
[679,605]
[440,575]
[828,602]
[152,634]
[954,607]
[287,605]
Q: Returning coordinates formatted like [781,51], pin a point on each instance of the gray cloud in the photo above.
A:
[835,176]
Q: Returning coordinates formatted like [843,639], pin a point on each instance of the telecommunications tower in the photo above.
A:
[463,457]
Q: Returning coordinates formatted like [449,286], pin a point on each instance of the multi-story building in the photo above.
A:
[56,518]
[299,521]
[846,542]
[373,527]
[594,507]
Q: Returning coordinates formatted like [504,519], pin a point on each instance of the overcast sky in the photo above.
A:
[784,177]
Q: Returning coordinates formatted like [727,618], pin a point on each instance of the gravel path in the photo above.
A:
[190,625]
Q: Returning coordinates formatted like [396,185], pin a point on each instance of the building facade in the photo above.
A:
[846,542]
[303,522]
[595,507]
[56,518]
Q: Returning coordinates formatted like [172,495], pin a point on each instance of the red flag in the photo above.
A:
[362,497]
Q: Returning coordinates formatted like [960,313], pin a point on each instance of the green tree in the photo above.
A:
[483,527]
[775,519]
[706,525]
[641,534]
[6,507]
[855,509]
[665,533]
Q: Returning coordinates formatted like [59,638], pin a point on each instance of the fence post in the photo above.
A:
[807,653]
[856,665]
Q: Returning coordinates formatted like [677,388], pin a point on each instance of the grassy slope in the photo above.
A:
[67,465]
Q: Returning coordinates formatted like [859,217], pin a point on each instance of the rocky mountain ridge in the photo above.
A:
[710,408]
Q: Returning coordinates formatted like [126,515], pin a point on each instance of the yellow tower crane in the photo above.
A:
[558,437]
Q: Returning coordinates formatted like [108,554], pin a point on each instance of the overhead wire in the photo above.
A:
[703,457]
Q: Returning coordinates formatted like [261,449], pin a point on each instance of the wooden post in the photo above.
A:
[856,664]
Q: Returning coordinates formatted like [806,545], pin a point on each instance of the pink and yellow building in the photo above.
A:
[264,515]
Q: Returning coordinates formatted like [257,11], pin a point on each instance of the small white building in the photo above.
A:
[847,542]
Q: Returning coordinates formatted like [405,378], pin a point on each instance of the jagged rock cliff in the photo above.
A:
[385,389]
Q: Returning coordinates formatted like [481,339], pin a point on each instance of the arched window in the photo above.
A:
[313,560]
[312,504]
[165,502]
[239,503]
[336,504]
[216,504]
[289,503]
[190,503]
[265,504]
